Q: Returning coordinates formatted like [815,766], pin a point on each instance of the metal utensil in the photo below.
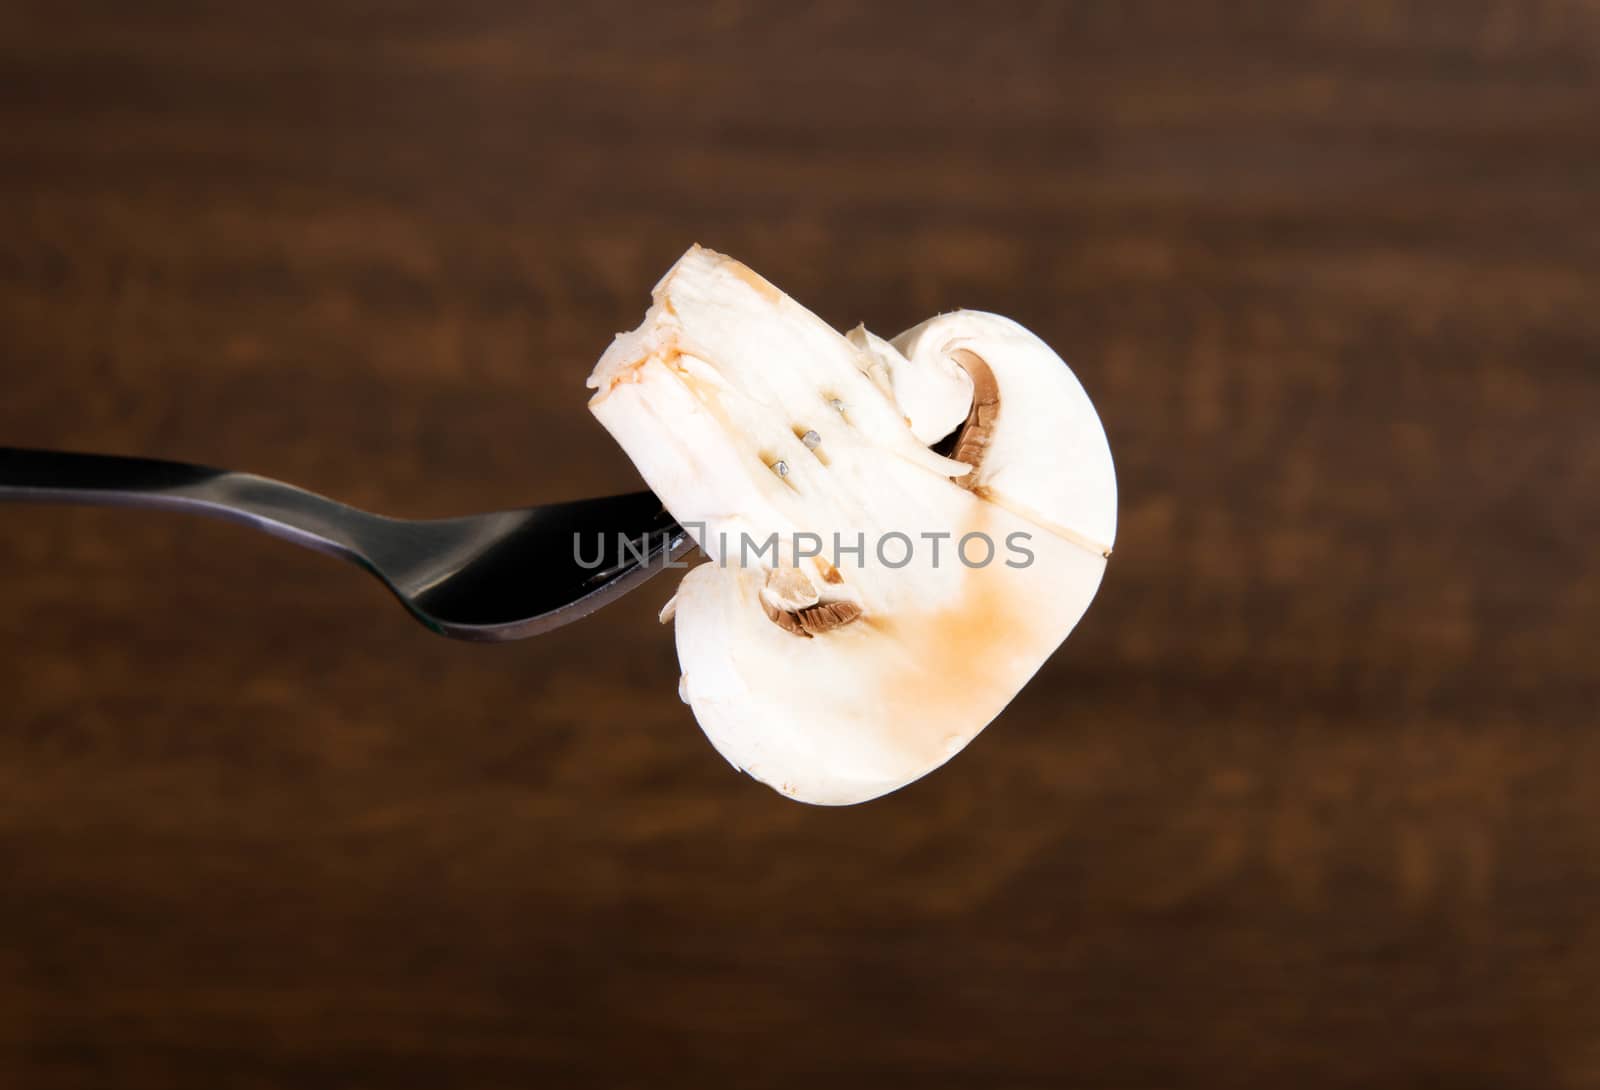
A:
[498,576]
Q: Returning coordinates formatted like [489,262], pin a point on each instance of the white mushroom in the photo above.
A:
[871,606]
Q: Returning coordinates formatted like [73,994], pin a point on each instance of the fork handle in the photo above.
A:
[282,510]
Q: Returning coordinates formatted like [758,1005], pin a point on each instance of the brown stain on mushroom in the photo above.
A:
[956,655]
[760,283]
[667,354]
[830,574]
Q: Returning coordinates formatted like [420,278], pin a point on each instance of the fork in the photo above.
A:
[503,575]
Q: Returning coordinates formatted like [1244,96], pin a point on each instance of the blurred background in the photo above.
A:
[1308,799]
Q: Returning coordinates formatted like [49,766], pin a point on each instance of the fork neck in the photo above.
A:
[305,518]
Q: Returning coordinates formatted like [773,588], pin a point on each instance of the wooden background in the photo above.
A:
[1312,798]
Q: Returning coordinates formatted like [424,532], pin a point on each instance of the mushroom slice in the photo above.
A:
[868,605]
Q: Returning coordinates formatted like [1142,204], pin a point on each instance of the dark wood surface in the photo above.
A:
[1312,798]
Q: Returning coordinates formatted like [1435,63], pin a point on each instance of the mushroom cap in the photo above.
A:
[941,586]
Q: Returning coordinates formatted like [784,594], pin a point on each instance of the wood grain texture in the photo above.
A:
[1309,799]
